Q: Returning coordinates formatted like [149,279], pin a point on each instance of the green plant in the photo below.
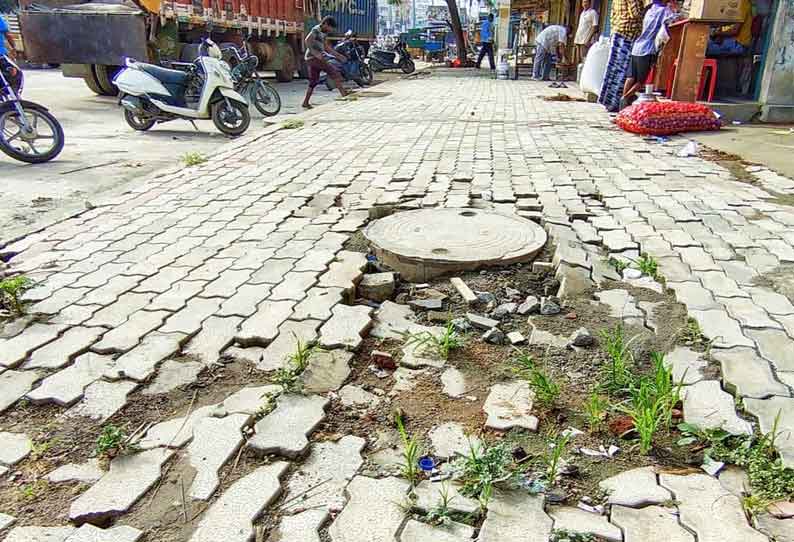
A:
[38,449]
[11,291]
[485,497]
[110,441]
[563,535]
[483,468]
[194,159]
[596,409]
[668,393]
[648,266]
[441,346]
[268,405]
[619,265]
[34,490]
[617,375]
[411,452]
[645,412]
[546,389]
[553,456]
[691,332]
[292,124]
[441,513]
[288,376]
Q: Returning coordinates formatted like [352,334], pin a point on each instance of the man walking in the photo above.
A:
[316,46]
[549,42]
[486,41]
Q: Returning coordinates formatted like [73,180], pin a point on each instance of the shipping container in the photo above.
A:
[91,39]
[360,16]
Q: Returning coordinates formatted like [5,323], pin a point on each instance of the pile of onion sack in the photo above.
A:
[666,118]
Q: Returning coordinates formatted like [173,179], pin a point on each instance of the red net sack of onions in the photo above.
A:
[666,118]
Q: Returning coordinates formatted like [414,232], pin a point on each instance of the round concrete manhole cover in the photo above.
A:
[429,242]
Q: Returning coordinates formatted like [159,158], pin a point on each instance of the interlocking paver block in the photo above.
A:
[416,531]
[693,295]
[635,488]
[318,304]
[231,517]
[687,365]
[244,302]
[290,335]
[516,517]
[724,331]
[345,271]
[707,509]
[14,447]
[302,527]
[66,386]
[575,520]
[226,284]
[373,513]
[89,533]
[17,348]
[173,374]
[651,524]
[140,362]
[15,384]
[294,286]
[767,411]
[188,320]
[774,346]
[261,328]
[59,300]
[272,271]
[126,336]
[102,399]
[176,297]
[86,473]
[215,441]
[215,335]
[117,313]
[326,371]
[746,374]
[346,327]
[285,431]
[39,534]
[129,477]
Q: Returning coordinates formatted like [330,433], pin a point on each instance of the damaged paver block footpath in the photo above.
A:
[127,480]
[509,405]
[516,517]
[374,512]
[285,431]
[230,518]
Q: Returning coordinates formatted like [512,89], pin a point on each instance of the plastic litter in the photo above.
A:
[690,149]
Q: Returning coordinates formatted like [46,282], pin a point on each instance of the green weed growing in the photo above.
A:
[194,159]
[438,345]
[483,468]
[546,389]
[553,456]
[596,410]
[617,374]
[648,266]
[411,452]
[11,291]
[292,124]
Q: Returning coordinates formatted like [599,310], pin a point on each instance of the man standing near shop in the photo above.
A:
[549,42]
[486,41]
[627,18]
[587,29]
[316,46]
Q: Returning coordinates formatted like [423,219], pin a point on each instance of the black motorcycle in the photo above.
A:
[354,69]
[247,82]
[28,132]
[398,58]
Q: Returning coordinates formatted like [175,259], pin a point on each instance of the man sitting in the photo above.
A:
[735,39]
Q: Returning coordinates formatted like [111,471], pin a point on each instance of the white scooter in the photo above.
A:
[150,94]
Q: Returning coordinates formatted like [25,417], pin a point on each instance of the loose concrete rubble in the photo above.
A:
[509,406]
[14,447]
[449,440]
[373,511]
[87,473]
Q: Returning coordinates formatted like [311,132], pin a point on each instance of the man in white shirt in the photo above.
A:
[550,41]
[587,29]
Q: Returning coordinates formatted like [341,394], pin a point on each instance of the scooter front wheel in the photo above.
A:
[137,122]
[37,140]
[407,65]
[231,117]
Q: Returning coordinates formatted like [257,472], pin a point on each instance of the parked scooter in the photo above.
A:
[398,58]
[150,94]
[247,82]
[28,131]
[355,69]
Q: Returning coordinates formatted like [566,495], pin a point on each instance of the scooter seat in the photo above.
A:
[164,75]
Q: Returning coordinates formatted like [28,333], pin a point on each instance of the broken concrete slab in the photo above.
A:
[393,321]
[39,534]
[373,512]
[67,386]
[622,305]
[64,349]
[531,304]
[746,374]
[416,531]
[285,431]
[346,327]
[635,488]
[543,338]
[576,520]
[326,371]
[102,399]
[509,406]
[465,292]
[129,477]
[291,336]
[707,406]
[231,517]
[377,287]
[429,495]
[481,322]
[356,396]
[6,521]
[776,413]
[301,527]
[515,338]
[261,328]
[14,447]
[89,533]
[140,362]
[85,473]
[328,469]
[449,440]
[172,374]
[453,382]
[687,365]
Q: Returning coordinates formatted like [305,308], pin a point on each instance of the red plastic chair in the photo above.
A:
[708,64]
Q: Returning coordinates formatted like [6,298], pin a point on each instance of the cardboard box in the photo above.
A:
[722,11]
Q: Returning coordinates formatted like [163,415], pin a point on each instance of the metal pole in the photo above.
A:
[413,13]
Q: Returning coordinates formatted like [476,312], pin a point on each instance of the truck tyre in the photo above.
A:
[91,81]
[104,76]
[287,72]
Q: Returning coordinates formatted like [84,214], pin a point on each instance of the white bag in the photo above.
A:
[595,66]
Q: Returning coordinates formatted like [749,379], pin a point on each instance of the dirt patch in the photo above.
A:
[781,280]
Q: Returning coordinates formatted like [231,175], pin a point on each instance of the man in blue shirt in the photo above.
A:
[5,35]
[486,41]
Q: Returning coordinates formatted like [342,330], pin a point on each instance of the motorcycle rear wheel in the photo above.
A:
[141,124]
[22,146]
[231,117]
[265,98]
[407,66]
[366,74]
